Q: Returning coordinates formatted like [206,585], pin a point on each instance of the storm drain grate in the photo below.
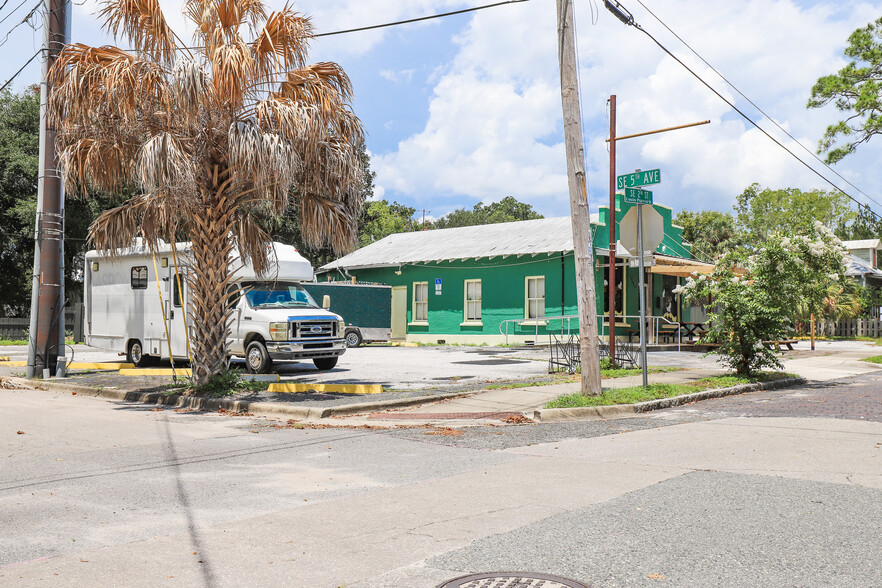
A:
[512,580]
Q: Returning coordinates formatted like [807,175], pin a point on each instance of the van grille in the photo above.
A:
[313,329]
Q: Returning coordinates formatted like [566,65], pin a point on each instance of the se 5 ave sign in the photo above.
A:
[641,178]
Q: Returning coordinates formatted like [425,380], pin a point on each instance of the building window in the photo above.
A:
[139,277]
[472,306]
[420,301]
[176,292]
[535,297]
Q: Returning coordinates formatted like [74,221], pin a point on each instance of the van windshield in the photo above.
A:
[277,295]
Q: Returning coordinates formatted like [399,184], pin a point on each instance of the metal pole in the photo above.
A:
[704,122]
[642,291]
[612,230]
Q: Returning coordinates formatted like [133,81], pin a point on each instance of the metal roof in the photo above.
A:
[545,235]
[855,266]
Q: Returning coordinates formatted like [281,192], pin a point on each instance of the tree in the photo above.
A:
[784,275]
[215,137]
[866,225]
[710,232]
[19,147]
[506,210]
[856,90]
[380,219]
[760,212]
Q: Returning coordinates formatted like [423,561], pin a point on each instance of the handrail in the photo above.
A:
[656,320]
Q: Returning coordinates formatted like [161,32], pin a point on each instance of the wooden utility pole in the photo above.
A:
[46,334]
[583,246]
[611,301]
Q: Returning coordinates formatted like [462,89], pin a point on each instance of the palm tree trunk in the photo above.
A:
[212,245]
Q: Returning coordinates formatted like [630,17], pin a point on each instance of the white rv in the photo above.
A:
[273,319]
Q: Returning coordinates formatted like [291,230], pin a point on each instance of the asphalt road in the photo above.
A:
[780,488]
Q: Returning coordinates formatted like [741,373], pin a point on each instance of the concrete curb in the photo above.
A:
[552,415]
[216,404]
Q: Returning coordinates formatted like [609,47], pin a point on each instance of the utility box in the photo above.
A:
[366,308]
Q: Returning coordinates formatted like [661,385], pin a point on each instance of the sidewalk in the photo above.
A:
[496,405]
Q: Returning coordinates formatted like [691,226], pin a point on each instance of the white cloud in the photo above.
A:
[398,76]
[494,125]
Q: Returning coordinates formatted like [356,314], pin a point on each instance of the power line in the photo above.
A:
[388,24]
[418,19]
[21,22]
[752,103]
[9,81]
[628,19]
[16,8]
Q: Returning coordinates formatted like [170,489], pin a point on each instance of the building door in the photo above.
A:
[176,312]
[399,312]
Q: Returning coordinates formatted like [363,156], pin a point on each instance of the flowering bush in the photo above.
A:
[754,299]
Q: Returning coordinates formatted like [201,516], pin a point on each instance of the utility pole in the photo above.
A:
[612,230]
[583,246]
[46,335]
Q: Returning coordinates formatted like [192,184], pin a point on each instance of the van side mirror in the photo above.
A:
[326,302]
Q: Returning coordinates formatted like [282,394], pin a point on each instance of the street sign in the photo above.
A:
[638,196]
[641,178]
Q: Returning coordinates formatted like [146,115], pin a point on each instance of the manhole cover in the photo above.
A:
[493,361]
[512,580]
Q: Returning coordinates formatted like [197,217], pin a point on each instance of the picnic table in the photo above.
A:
[777,344]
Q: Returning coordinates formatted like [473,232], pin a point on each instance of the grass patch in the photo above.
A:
[226,383]
[4,342]
[874,359]
[635,394]
[565,378]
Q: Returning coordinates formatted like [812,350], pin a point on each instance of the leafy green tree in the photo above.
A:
[856,90]
[380,219]
[786,273]
[710,232]
[506,210]
[866,225]
[760,212]
[19,147]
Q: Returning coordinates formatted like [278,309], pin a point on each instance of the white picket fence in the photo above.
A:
[859,327]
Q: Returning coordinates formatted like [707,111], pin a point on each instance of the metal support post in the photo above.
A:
[642,291]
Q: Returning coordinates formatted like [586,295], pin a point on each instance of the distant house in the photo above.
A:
[862,261]
[477,284]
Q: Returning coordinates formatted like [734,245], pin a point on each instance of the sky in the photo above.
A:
[466,108]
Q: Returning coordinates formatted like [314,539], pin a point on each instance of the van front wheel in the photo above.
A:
[257,358]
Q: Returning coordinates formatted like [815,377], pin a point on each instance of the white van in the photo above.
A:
[274,318]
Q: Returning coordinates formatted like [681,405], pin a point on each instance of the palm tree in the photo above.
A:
[216,139]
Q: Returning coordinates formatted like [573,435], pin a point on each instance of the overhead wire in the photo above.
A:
[9,81]
[752,103]
[418,19]
[26,19]
[2,20]
[389,24]
[629,20]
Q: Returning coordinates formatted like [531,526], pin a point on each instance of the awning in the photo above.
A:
[677,266]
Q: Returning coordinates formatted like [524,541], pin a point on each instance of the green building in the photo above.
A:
[511,282]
